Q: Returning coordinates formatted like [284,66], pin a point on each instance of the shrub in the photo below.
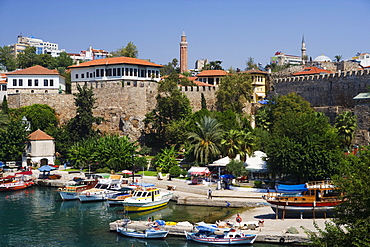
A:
[257,184]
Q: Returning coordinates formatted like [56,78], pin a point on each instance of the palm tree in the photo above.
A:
[232,143]
[247,145]
[346,123]
[206,139]
[338,58]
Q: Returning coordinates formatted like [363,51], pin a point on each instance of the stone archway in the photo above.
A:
[44,162]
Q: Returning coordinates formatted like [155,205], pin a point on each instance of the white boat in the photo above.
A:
[227,237]
[72,188]
[118,198]
[148,233]
[102,189]
[146,199]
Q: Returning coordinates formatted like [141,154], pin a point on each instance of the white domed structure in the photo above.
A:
[322,58]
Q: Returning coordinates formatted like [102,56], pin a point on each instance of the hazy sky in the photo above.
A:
[226,30]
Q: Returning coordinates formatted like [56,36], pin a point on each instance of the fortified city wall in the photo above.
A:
[332,94]
[123,105]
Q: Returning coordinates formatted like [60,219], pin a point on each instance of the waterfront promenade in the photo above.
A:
[252,208]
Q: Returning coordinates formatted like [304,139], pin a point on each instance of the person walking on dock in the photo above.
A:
[209,193]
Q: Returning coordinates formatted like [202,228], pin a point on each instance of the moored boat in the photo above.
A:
[313,199]
[102,189]
[71,189]
[216,236]
[120,195]
[151,233]
[146,199]
[19,181]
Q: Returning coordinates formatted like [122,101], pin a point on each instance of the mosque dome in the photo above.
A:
[322,58]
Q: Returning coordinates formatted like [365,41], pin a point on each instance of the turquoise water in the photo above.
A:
[37,217]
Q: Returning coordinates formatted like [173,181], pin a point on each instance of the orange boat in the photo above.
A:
[19,181]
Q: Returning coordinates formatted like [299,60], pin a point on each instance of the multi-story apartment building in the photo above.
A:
[89,54]
[42,47]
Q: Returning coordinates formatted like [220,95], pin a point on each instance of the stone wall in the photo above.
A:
[336,89]
[123,105]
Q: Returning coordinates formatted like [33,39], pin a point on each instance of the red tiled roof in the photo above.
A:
[212,73]
[39,135]
[201,84]
[116,60]
[312,71]
[34,70]
[254,71]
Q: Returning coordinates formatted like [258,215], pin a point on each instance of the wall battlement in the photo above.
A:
[337,89]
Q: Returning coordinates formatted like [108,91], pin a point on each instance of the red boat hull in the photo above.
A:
[15,186]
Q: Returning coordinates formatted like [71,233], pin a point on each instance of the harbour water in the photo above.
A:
[38,217]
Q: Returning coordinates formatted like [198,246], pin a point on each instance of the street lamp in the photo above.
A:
[133,168]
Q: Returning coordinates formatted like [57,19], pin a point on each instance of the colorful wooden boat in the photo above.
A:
[229,237]
[148,199]
[19,181]
[152,233]
[315,199]
[70,190]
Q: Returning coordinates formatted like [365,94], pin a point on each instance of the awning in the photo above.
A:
[261,94]
[198,170]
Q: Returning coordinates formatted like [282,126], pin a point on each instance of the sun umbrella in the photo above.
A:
[46,168]
[126,172]
[228,176]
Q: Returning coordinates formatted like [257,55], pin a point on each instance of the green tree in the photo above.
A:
[338,58]
[203,101]
[165,160]
[4,105]
[351,226]
[205,140]
[234,91]
[7,59]
[45,60]
[346,124]
[171,68]
[130,50]
[213,65]
[12,141]
[27,58]
[251,64]
[63,60]
[303,145]
[236,168]
[231,143]
[81,126]
[172,105]
[40,116]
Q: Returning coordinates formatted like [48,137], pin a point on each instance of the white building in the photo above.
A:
[281,58]
[36,79]
[3,86]
[363,59]
[40,149]
[89,54]
[115,69]
[42,47]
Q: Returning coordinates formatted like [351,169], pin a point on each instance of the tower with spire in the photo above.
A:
[183,53]
[303,50]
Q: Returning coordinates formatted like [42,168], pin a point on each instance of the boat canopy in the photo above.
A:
[284,188]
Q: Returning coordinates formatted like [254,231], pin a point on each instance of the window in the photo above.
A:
[101,72]
[114,72]
[15,82]
[126,73]
[51,82]
[119,72]
[131,72]
[87,74]
[20,82]
[149,73]
[36,82]
[135,72]
[82,76]
[32,91]
[46,82]
[157,74]
[3,87]
[76,76]
[97,73]
[91,75]
[29,82]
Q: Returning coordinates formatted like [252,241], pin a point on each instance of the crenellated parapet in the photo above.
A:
[334,89]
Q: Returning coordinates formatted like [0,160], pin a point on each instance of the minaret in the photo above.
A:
[183,53]
[303,49]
